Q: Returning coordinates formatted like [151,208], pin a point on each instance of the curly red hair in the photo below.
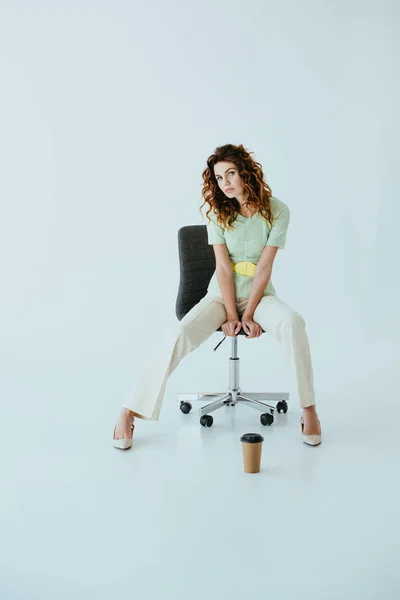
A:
[257,192]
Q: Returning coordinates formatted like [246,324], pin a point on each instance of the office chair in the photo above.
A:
[197,265]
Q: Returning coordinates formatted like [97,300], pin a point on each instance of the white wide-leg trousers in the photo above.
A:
[271,313]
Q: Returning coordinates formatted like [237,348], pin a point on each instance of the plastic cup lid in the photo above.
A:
[252,438]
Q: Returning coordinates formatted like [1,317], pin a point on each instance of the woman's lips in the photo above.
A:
[229,190]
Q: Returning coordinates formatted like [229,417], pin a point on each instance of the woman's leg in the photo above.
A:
[288,326]
[192,330]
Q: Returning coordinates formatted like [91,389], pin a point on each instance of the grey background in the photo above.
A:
[108,112]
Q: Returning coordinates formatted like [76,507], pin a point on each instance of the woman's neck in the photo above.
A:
[247,214]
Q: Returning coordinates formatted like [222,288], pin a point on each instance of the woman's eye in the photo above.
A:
[219,178]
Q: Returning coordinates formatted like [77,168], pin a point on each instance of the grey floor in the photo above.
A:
[176,517]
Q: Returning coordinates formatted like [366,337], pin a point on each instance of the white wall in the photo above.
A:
[108,112]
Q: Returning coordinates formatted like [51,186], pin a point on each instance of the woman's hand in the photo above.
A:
[231,327]
[250,327]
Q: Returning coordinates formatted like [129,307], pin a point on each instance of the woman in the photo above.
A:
[247,226]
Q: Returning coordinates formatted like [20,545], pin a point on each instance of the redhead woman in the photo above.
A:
[246,226]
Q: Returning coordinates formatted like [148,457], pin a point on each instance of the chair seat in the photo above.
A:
[241,332]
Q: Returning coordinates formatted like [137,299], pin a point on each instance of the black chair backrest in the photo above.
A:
[197,265]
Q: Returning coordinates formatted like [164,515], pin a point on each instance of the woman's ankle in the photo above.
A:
[127,413]
[130,414]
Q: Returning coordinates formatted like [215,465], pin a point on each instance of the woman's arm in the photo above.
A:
[260,280]
[224,272]
[227,286]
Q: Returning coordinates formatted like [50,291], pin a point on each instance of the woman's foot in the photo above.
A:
[123,431]
[311,421]
[310,426]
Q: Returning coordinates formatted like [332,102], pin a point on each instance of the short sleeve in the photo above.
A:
[280,224]
[215,232]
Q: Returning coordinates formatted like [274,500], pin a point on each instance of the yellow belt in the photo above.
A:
[244,268]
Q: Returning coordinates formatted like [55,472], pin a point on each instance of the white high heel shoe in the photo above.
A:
[311,440]
[123,443]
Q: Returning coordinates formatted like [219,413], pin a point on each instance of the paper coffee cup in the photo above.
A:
[252,447]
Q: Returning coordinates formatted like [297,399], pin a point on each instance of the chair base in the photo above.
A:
[234,395]
[256,400]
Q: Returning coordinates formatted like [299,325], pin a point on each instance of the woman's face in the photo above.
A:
[228,179]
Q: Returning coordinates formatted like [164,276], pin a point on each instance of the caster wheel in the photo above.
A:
[282,406]
[206,420]
[185,407]
[266,419]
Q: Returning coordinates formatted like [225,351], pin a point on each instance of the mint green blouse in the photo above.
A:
[246,243]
